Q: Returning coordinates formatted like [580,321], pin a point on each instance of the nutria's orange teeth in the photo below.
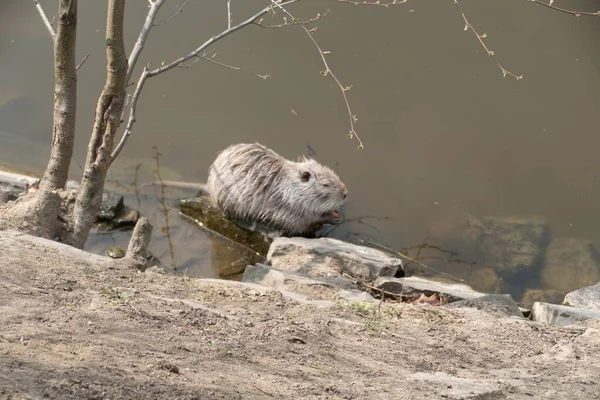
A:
[336,213]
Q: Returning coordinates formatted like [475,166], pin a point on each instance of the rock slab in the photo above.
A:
[561,315]
[415,285]
[331,257]
[587,298]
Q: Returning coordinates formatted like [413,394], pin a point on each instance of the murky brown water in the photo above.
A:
[444,133]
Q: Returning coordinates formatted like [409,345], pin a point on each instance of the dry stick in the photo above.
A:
[45,19]
[176,63]
[265,77]
[480,38]
[229,14]
[371,287]
[574,13]
[306,21]
[172,16]
[353,119]
[82,61]
[373,3]
[165,211]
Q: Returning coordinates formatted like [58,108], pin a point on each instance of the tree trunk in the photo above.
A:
[108,115]
[65,98]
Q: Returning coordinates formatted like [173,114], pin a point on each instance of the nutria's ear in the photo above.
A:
[305,176]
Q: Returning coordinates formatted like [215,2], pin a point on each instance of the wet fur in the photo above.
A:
[256,186]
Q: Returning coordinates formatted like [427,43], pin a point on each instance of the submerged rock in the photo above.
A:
[531,296]
[587,298]
[332,257]
[570,264]
[202,210]
[512,245]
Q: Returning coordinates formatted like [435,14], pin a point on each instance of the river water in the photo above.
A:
[444,132]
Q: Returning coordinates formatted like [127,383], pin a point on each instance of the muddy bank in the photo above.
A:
[75,325]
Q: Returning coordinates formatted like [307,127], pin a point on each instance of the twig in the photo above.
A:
[286,23]
[352,134]
[265,77]
[82,61]
[480,38]
[165,210]
[573,13]
[172,16]
[45,18]
[229,14]
[374,3]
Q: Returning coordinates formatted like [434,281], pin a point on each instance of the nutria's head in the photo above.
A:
[321,193]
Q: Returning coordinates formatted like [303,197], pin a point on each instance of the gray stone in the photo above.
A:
[570,264]
[331,257]
[12,185]
[511,245]
[498,304]
[451,387]
[263,275]
[587,298]
[561,315]
[112,205]
[415,285]
[357,295]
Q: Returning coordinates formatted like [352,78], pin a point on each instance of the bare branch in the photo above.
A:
[131,120]
[204,57]
[82,61]
[178,62]
[574,13]
[141,40]
[286,23]
[45,18]
[172,16]
[374,3]
[352,134]
[229,14]
[480,38]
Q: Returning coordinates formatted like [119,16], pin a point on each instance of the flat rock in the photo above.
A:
[531,296]
[511,245]
[292,286]
[415,285]
[498,304]
[570,264]
[587,298]
[451,387]
[561,315]
[331,257]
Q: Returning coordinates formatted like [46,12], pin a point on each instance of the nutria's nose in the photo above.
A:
[344,191]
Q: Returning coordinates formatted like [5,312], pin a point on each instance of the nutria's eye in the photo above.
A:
[305,176]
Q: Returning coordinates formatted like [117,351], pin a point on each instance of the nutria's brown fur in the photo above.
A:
[256,186]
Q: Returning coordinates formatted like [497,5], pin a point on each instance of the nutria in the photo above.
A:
[257,187]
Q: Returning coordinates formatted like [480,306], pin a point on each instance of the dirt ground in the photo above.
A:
[76,326]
